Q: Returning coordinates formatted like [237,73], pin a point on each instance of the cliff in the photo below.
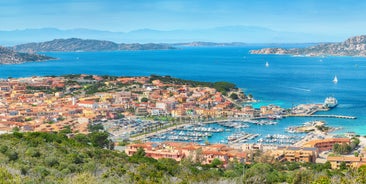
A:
[8,56]
[75,44]
[354,46]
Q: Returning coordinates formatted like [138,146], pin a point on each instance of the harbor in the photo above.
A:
[280,127]
[228,132]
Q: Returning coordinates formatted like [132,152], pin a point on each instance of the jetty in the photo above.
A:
[323,116]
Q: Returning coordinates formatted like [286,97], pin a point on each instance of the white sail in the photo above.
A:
[335,80]
[267,64]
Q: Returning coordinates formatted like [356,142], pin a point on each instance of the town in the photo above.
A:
[130,108]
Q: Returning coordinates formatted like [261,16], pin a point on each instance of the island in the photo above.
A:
[77,45]
[8,56]
[354,46]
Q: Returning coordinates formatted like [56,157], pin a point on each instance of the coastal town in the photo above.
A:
[167,117]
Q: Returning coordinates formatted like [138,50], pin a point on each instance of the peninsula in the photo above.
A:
[8,56]
[76,44]
[354,46]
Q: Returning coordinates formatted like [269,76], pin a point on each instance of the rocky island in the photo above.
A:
[8,56]
[354,46]
[76,44]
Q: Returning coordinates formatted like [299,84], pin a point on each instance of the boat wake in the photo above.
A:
[300,89]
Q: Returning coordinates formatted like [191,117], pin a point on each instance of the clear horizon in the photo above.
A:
[331,20]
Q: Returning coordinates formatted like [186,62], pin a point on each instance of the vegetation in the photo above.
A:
[346,148]
[322,128]
[222,87]
[54,158]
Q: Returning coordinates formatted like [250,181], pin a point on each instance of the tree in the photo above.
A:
[82,138]
[140,153]
[342,148]
[99,139]
[144,99]
[66,130]
[216,162]
[234,96]
[343,166]
[15,129]
[95,128]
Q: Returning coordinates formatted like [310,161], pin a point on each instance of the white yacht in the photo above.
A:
[335,80]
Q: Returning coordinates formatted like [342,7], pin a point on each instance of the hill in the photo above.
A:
[233,33]
[354,46]
[8,56]
[37,157]
[76,44]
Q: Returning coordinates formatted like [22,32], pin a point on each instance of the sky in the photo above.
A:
[338,17]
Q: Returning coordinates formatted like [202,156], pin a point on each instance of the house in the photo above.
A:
[295,154]
[350,161]
[326,144]
[178,151]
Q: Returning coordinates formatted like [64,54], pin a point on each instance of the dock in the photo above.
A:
[323,116]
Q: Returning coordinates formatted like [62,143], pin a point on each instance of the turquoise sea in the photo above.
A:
[287,81]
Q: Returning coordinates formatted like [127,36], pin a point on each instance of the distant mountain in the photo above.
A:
[76,44]
[226,34]
[354,46]
[8,56]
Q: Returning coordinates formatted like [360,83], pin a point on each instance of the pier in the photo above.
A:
[323,116]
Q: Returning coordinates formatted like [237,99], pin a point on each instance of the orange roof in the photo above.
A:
[86,102]
[345,158]
[312,143]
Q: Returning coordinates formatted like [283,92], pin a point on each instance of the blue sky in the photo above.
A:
[338,17]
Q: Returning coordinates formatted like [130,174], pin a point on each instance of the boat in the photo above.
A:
[335,80]
[267,64]
[330,102]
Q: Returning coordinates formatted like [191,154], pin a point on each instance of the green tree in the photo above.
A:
[343,166]
[144,99]
[216,162]
[234,96]
[82,138]
[99,139]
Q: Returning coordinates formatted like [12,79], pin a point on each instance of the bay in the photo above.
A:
[287,81]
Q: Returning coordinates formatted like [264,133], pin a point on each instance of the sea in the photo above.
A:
[287,80]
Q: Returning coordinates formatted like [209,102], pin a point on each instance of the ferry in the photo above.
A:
[330,102]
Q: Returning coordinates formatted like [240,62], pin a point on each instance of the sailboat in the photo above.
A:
[267,64]
[335,80]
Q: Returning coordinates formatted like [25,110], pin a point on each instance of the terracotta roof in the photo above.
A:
[345,158]
[313,142]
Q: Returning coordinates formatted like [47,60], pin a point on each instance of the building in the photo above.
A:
[350,161]
[326,144]
[295,154]
[178,151]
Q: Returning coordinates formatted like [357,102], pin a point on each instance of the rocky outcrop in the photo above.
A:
[75,44]
[8,56]
[354,46]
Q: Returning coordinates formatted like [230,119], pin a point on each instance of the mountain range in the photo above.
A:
[354,46]
[247,34]
[76,44]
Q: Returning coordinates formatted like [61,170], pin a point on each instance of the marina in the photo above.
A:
[229,132]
